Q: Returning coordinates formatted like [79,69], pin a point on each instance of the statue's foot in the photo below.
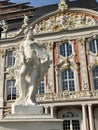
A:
[30,102]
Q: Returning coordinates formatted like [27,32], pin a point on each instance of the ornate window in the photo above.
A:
[71,121]
[67,76]
[95,77]
[10,58]
[41,87]
[65,49]
[11,90]
[93,45]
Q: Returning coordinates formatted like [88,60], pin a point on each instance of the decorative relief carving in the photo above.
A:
[62,6]
[67,62]
[64,21]
[2,53]
[67,95]
[49,46]
[83,67]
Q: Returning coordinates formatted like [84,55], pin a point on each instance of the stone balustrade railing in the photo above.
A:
[67,95]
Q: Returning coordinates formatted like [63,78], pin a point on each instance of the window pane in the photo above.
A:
[75,125]
[10,58]
[96,83]
[95,77]
[71,74]
[69,49]
[71,85]
[93,45]
[41,87]
[70,114]
[11,90]
[66,125]
[64,74]
[65,49]
[97,44]
[68,80]
[64,85]
[95,71]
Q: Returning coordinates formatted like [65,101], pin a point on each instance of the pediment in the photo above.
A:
[71,19]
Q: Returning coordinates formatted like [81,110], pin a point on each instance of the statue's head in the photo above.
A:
[29,35]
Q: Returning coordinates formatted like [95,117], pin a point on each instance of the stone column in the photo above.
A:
[2,64]
[52,111]
[84,117]
[90,117]
[46,110]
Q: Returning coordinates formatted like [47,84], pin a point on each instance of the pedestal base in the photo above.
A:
[29,109]
[30,122]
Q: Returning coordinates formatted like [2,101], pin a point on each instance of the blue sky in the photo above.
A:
[38,2]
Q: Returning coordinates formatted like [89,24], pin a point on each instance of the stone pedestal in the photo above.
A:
[30,117]
[27,109]
[30,122]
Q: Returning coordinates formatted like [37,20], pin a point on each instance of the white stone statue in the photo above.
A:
[4,26]
[32,62]
[25,21]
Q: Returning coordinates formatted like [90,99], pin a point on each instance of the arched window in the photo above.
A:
[67,76]
[95,77]
[93,45]
[65,49]
[71,121]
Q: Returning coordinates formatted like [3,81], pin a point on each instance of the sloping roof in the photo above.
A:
[10,10]
[90,4]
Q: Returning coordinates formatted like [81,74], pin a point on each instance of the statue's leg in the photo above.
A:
[22,83]
[33,87]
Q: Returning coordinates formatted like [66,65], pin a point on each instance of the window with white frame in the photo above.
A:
[10,58]
[95,77]
[67,76]
[93,46]
[65,49]
[71,121]
[11,90]
[41,89]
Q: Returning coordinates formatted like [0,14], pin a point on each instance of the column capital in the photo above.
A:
[84,104]
[89,104]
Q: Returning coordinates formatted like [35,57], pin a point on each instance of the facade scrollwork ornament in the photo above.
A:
[62,6]
[94,36]
[67,63]
[81,41]
[75,66]
[49,89]
[49,46]
[2,53]
[84,85]
[63,21]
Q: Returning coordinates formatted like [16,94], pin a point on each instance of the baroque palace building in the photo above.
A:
[69,30]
